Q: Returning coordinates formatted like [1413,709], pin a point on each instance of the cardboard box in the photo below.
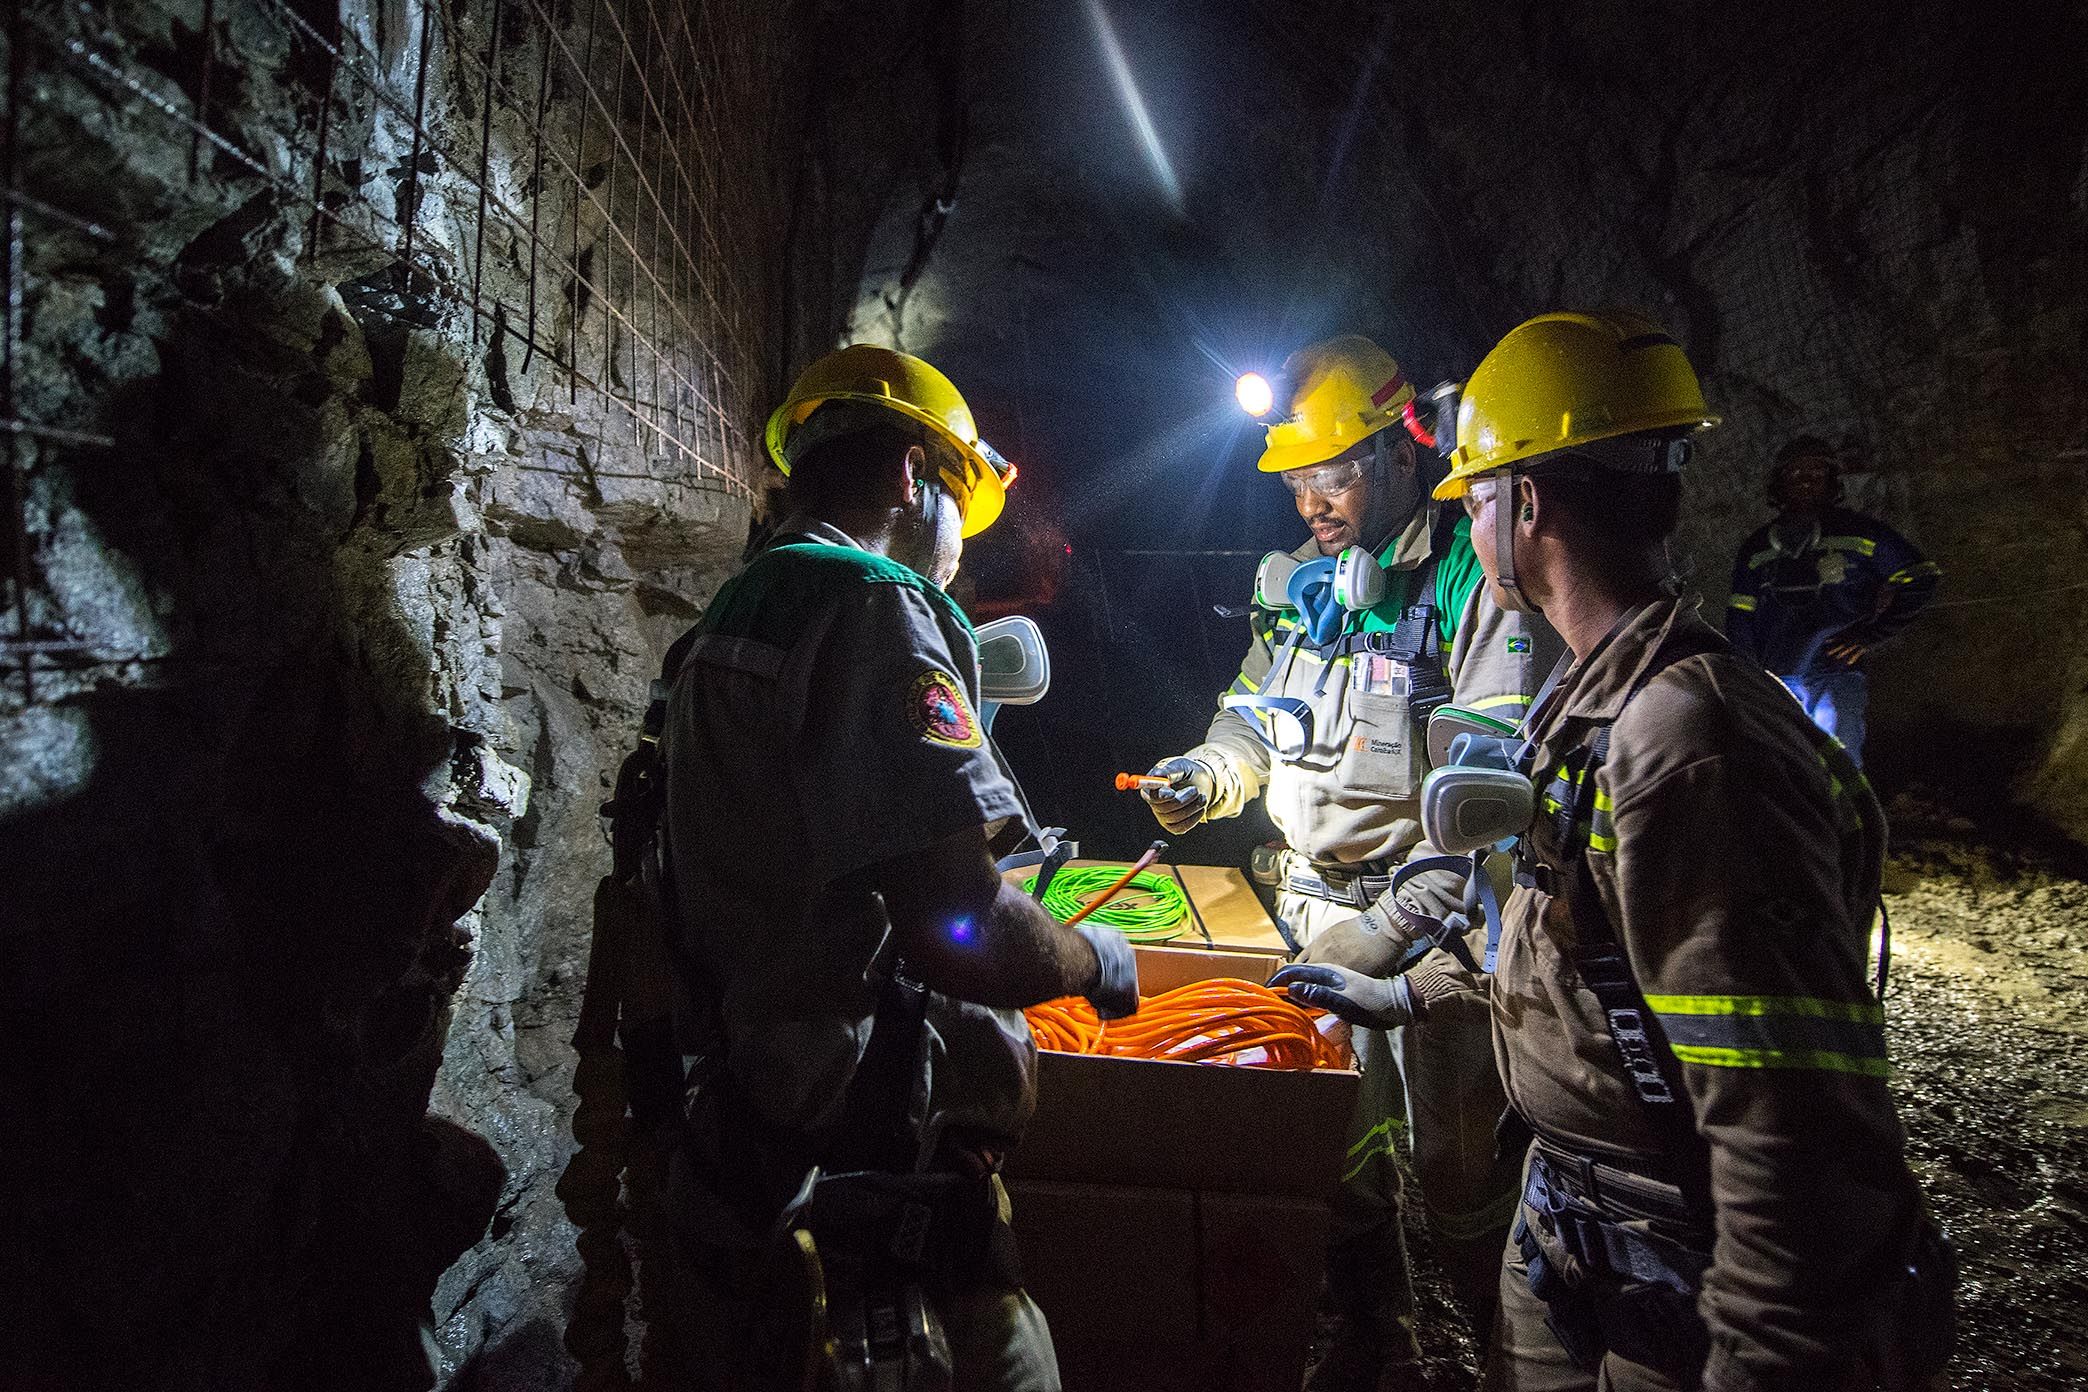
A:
[1172,1290]
[1172,1216]
[1268,1131]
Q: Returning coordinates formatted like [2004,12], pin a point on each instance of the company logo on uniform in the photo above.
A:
[1518,642]
[938,712]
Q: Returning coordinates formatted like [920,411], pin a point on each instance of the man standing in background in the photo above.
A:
[1819,587]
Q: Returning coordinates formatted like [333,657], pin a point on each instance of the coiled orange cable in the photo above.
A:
[1223,1020]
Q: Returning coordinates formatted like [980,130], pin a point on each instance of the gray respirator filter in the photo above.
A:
[1477,797]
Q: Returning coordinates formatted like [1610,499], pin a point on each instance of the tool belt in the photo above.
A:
[1618,1257]
[1358,887]
[934,1228]
[1600,1254]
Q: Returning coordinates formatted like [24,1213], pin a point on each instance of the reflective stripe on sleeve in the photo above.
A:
[1803,1032]
[1746,604]
[1921,570]
[1862,546]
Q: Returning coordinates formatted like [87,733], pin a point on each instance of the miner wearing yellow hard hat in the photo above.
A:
[1716,1193]
[1376,621]
[851,961]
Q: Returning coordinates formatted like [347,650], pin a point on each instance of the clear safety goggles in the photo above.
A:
[1479,492]
[1337,476]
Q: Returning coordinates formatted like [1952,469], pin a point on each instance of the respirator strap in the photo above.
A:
[1428,930]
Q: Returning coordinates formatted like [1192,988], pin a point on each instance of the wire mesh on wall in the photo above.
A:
[550,181]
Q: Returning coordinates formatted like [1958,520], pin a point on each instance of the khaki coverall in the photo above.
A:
[1741,877]
[1348,807]
[825,722]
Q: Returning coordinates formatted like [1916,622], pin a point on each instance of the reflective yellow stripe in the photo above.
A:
[1598,842]
[1245,685]
[1862,1012]
[1380,1139]
[1862,546]
[1744,603]
[1817,1059]
[1490,702]
[1921,570]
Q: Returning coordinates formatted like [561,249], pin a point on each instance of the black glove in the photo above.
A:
[1374,1002]
[1116,987]
[1182,804]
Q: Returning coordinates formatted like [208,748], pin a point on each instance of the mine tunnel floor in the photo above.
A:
[1988,1015]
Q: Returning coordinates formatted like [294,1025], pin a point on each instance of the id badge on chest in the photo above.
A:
[1379,757]
[1375,674]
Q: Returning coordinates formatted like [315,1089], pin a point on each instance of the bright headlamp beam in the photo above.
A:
[1255,394]
[1134,105]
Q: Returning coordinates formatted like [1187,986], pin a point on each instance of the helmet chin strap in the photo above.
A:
[1504,545]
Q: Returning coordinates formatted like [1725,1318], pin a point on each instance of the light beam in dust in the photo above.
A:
[1135,107]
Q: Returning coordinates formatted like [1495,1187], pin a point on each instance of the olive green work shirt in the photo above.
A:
[824,722]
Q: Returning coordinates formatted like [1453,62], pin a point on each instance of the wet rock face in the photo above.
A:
[352,581]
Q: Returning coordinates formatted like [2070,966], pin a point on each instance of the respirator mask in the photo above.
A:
[1322,592]
[1477,796]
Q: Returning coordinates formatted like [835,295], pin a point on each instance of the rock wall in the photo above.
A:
[383,395]
[1865,226]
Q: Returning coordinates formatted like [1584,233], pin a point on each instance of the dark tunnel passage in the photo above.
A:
[382,386]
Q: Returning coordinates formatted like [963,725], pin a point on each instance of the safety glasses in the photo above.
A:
[1324,479]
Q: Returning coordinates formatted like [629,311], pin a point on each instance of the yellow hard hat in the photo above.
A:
[903,383]
[1341,391]
[1562,380]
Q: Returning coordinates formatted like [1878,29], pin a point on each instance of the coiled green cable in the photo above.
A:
[1151,909]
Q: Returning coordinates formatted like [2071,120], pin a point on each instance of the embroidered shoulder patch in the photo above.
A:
[939,714]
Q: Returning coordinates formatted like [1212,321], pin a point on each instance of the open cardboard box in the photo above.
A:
[1172,1216]
[1104,1120]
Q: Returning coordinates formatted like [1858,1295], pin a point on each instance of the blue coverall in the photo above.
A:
[1803,584]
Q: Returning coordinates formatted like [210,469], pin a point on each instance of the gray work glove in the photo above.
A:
[1116,987]
[1374,1002]
[1180,806]
[1370,944]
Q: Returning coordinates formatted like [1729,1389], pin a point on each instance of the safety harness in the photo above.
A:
[1653,1235]
[1415,641]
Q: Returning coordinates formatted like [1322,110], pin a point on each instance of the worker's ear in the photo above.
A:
[915,469]
[1529,505]
[1403,458]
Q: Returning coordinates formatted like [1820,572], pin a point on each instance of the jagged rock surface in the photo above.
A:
[299,850]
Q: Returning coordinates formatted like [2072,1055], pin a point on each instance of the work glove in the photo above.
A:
[1192,784]
[1371,944]
[1116,986]
[1374,1002]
